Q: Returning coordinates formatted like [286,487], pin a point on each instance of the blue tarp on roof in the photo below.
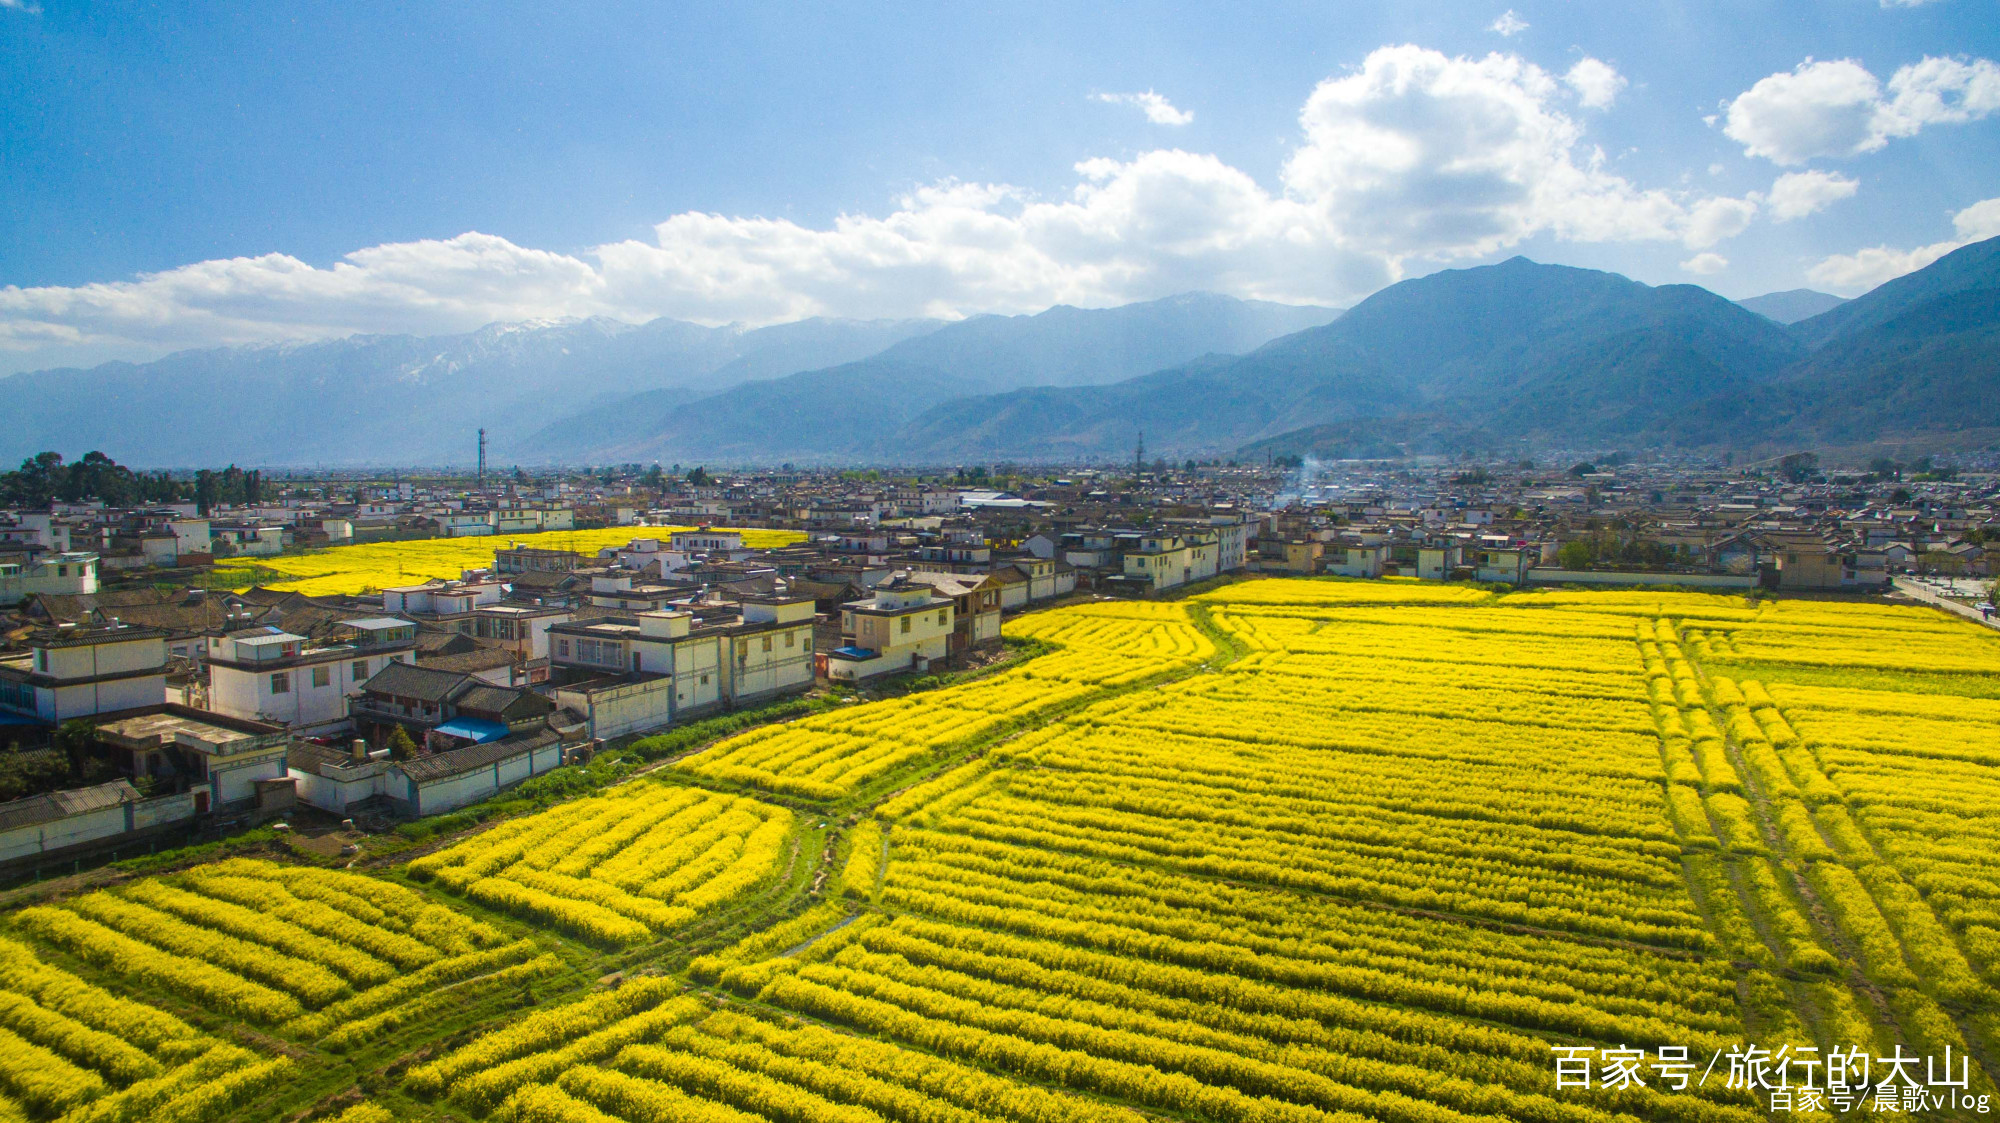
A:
[855,653]
[474,730]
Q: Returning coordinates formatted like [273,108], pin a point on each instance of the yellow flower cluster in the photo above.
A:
[834,755]
[259,941]
[624,867]
[342,570]
[69,1049]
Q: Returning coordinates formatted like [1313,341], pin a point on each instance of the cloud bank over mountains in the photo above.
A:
[1412,158]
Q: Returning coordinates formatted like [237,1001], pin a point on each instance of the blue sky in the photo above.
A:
[185,175]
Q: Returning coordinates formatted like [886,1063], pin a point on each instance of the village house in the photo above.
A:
[905,625]
[625,674]
[75,670]
[267,674]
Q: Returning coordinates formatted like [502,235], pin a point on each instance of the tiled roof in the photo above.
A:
[50,806]
[457,762]
[405,680]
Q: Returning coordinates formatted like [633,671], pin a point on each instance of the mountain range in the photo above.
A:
[1495,358]
[1792,305]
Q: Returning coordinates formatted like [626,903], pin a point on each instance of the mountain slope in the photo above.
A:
[1792,305]
[842,412]
[1527,349]
[397,399]
[1976,266]
[1062,347]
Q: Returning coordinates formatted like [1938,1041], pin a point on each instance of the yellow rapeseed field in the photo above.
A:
[371,566]
[1293,851]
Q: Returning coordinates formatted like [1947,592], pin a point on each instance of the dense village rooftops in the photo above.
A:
[83,635]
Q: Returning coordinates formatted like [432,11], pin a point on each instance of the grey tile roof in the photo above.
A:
[457,762]
[50,806]
[407,680]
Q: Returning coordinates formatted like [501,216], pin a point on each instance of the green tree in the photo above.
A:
[76,738]
[1578,554]
[400,745]
[1584,469]
[1799,467]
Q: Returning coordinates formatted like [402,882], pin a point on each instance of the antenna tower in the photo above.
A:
[1139,459]
[482,460]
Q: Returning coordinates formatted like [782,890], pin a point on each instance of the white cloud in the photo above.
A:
[1158,109]
[1714,220]
[1838,108]
[1979,221]
[1798,194]
[1509,24]
[1597,85]
[1411,156]
[1906,3]
[21,6]
[1421,154]
[1705,264]
[1855,273]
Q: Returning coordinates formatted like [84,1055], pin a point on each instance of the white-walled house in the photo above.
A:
[903,626]
[222,759]
[654,668]
[266,674]
[30,570]
[74,670]
[443,598]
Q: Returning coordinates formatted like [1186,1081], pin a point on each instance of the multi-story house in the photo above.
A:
[266,674]
[77,670]
[26,570]
[904,626]
[625,674]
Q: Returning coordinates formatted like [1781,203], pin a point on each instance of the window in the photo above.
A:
[361,670]
[62,571]
[767,642]
[940,619]
[322,676]
[42,659]
[791,639]
[704,680]
[281,683]
[562,648]
[906,625]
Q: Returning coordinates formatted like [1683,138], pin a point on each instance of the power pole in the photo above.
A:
[482,461]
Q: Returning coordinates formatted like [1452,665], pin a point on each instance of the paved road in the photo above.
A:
[1928,595]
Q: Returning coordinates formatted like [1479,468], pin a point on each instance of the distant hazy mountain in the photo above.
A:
[400,399]
[1532,350]
[1493,358]
[795,417]
[1966,269]
[1918,356]
[1792,305]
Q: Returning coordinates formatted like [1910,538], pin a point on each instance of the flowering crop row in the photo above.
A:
[346,570]
[620,868]
[836,754]
[71,1049]
[1252,886]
